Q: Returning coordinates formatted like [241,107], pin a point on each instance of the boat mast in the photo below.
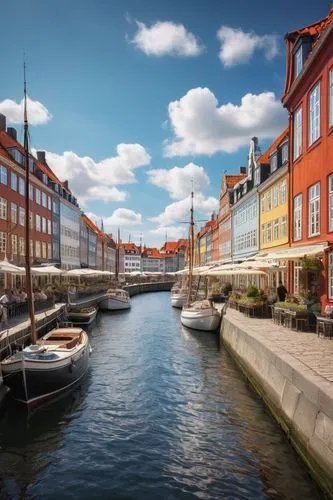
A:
[191,253]
[117,255]
[28,276]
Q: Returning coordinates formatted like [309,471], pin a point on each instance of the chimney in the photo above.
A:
[41,156]
[65,183]
[11,131]
[242,170]
[2,122]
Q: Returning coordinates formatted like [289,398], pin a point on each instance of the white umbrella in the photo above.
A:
[7,267]
[46,270]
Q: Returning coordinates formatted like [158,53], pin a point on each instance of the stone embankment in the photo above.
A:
[293,373]
[164,286]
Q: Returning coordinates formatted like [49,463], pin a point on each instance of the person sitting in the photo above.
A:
[4,301]
[282,292]
[23,295]
[42,295]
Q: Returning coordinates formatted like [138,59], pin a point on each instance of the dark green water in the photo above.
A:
[163,414]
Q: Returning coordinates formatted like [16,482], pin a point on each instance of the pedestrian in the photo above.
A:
[4,300]
[282,292]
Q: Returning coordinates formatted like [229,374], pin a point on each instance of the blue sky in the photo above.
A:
[103,80]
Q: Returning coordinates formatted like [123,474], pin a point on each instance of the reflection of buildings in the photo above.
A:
[27,441]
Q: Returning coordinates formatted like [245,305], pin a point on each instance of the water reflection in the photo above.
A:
[27,440]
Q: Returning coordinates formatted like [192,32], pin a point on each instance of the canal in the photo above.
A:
[164,414]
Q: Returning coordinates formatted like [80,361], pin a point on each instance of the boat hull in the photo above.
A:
[114,304]
[80,318]
[207,321]
[44,383]
[178,300]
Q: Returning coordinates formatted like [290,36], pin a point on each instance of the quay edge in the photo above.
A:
[300,400]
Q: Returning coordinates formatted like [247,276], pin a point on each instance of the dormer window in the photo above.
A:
[284,153]
[298,61]
[45,178]
[257,176]
[273,162]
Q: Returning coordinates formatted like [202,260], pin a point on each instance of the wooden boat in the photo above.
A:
[43,370]
[83,316]
[116,299]
[178,297]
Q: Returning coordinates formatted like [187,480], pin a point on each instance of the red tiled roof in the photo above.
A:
[231,180]
[152,253]
[129,246]
[264,158]
[314,28]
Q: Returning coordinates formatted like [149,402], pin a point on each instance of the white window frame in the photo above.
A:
[298,204]
[38,196]
[21,183]
[330,202]
[298,132]
[283,192]
[298,61]
[3,242]
[314,114]
[38,223]
[314,210]
[275,196]
[3,208]
[14,244]
[3,175]
[274,162]
[276,229]
[21,216]
[13,181]
[283,227]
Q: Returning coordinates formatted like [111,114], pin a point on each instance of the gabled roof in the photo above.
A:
[265,157]
[152,253]
[130,247]
[231,180]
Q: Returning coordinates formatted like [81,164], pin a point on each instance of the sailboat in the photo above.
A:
[201,314]
[59,359]
[117,298]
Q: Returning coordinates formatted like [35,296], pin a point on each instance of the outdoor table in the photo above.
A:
[324,326]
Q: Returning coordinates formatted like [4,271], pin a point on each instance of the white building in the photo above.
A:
[70,221]
[132,257]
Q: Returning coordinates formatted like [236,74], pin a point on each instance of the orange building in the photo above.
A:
[308,97]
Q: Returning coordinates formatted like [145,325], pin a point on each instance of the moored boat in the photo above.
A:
[43,370]
[116,299]
[201,315]
[83,316]
[178,298]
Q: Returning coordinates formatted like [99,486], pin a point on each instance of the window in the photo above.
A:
[49,227]
[3,208]
[298,217]
[49,203]
[3,175]
[14,244]
[298,62]
[275,196]
[13,212]
[21,216]
[314,118]
[269,232]
[298,132]
[330,99]
[44,200]
[37,249]
[31,248]
[21,246]
[269,201]
[37,196]
[284,230]
[44,230]
[31,220]
[3,241]
[330,202]
[263,203]
[283,192]
[38,224]
[44,255]
[284,153]
[21,186]
[273,163]
[330,275]
[45,179]
[314,207]
[49,251]
[276,230]
[13,181]
[263,233]
[31,192]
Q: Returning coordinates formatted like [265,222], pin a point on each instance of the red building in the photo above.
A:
[224,217]
[308,97]
[12,202]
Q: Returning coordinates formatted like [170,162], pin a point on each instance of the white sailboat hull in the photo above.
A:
[114,304]
[206,320]
[178,299]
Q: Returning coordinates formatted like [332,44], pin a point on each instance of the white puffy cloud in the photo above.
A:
[122,217]
[237,47]
[166,38]
[173,232]
[38,114]
[179,210]
[202,126]
[92,180]
[178,180]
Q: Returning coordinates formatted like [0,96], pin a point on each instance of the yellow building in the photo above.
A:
[273,197]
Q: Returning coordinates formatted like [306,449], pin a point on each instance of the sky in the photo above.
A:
[133,100]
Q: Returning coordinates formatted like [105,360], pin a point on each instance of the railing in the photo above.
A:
[18,308]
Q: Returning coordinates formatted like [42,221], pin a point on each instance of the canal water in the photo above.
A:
[164,414]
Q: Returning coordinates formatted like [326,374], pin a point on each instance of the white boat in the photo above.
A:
[83,316]
[201,315]
[116,299]
[178,297]
[43,370]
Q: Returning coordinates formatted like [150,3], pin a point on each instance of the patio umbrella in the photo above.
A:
[7,267]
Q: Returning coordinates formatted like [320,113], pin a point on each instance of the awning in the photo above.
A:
[235,272]
[46,270]
[7,267]
[294,253]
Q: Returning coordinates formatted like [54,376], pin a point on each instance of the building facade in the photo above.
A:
[152,260]
[132,257]
[308,97]
[70,228]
